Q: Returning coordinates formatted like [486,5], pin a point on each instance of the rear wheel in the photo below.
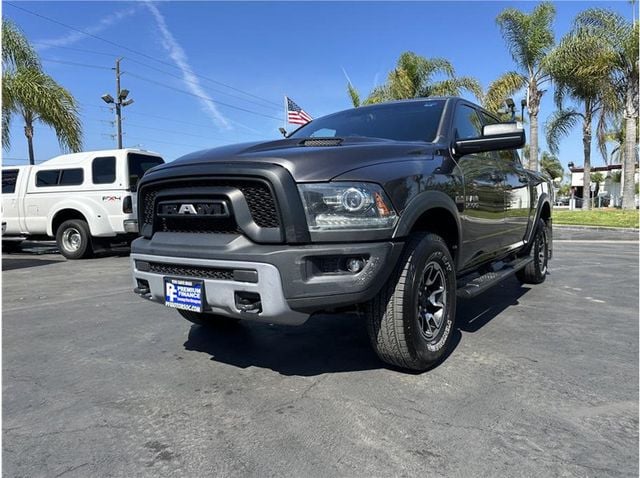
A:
[74,239]
[208,320]
[536,271]
[411,321]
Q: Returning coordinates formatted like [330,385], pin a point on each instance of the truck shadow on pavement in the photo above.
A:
[329,343]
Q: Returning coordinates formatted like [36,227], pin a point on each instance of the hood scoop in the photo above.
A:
[321,142]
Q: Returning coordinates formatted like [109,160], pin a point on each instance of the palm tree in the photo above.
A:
[589,87]
[29,92]
[618,39]
[529,38]
[415,77]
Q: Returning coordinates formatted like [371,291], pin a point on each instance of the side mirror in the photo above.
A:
[494,137]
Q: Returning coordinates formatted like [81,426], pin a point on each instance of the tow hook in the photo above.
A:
[248,302]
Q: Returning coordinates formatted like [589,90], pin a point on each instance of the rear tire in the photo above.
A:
[74,239]
[536,271]
[208,320]
[411,321]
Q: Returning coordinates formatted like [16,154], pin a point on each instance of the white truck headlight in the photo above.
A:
[344,206]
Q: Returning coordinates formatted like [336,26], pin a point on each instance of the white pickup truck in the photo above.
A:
[85,200]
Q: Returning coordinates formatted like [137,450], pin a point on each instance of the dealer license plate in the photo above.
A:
[185,294]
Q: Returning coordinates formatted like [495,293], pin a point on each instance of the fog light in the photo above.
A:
[355,264]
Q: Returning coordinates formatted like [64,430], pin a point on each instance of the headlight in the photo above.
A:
[338,206]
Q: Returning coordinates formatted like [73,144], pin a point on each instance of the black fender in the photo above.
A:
[422,203]
[542,200]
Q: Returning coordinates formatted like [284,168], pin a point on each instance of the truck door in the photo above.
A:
[517,197]
[11,200]
[483,213]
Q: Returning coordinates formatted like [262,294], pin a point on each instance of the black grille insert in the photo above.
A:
[258,195]
[191,271]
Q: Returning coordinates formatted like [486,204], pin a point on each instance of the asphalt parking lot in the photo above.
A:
[543,381]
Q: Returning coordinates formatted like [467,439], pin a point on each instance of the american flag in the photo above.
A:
[295,114]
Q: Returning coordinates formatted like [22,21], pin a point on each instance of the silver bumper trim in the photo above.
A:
[220,294]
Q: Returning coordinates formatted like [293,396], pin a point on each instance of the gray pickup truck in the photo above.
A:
[393,210]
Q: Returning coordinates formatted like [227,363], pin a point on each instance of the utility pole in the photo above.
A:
[120,102]
[118,109]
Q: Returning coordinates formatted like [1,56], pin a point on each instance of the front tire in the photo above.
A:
[411,321]
[208,320]
[74,239]
[536,271]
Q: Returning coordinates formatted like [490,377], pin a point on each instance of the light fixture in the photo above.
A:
[107,98]
[127,103]
[123,94]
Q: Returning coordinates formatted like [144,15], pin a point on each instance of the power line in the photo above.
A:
[160,70]
[82,50]
[165,118]
[135,51]
[137,138]
[85,65]
[201,96]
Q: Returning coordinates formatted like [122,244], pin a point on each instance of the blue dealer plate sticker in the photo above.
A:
[184,294]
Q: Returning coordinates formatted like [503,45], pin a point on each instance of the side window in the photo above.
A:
[71,177]
[103,170]
[59,177]
[486,119]
[47,178]
[9,179]
[466,123]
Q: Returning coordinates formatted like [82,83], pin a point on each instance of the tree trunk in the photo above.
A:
[533,105]
[586,145]
[629,158]
[28,132]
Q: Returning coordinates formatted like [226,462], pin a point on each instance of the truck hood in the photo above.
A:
[308,161]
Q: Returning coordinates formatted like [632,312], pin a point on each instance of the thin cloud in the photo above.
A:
[179,57]
[75,37]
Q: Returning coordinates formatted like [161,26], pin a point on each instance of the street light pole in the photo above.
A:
[119,102]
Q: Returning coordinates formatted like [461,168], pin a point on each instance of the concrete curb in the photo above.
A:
[595,228]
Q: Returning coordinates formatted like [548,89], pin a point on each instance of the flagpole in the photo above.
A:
[285,113]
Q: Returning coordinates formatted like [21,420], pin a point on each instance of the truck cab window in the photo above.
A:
[9,179]
[103,170]
[71,177]
[140,164]
[47,178]
[466,123]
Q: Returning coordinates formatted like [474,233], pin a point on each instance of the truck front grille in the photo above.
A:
[257,194]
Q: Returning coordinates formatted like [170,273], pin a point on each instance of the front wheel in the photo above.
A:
[411,321]
[536,271]
[74,239]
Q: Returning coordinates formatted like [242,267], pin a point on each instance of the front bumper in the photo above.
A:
[290,286]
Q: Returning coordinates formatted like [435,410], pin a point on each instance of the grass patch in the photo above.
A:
[597,217]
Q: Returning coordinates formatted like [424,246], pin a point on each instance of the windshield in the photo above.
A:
[409,121]
[138,165]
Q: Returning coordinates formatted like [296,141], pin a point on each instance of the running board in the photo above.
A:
[480,284]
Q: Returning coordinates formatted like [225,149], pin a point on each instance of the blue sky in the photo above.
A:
[265,49]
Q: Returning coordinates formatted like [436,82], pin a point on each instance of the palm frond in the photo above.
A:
[502,88]
[38,95]
[454,87]
[17,52]
[559,125]
[528,36]
[353,95]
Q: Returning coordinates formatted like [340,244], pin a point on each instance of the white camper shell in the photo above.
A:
[83,199]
